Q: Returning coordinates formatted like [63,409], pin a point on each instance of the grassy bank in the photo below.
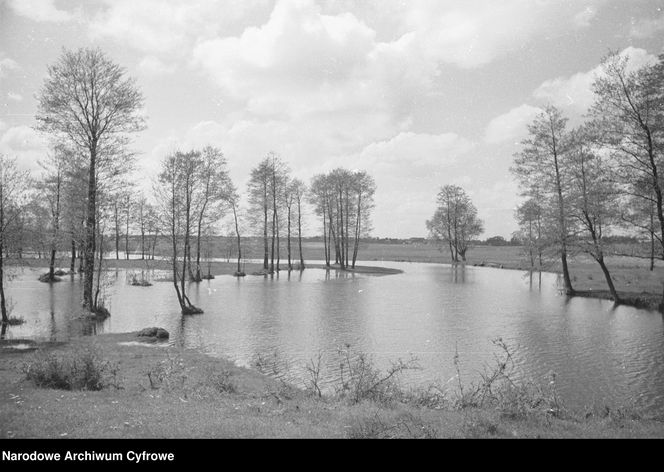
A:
[159,391]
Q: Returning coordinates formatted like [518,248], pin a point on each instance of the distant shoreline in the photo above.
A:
[636,285]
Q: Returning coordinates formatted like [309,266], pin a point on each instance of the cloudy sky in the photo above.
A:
[421,93]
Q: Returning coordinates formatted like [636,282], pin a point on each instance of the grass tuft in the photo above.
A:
[79,370]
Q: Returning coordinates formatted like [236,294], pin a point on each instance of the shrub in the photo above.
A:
[81,370]
[222,382]
[360,380]
[169,373]
[499,388]
[406,426]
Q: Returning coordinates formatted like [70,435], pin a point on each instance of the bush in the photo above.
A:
[81,370]
[360,380]
[222,382]
[405,426]
[499,388]
[170,373]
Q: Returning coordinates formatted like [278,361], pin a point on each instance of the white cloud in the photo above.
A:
[152,65]
[585,16]
[7,64]
[511,125]
[413,154]
[574,93]
[298,62]
[17,97]
[474,33]
[647,28]
[25,144]
[40,10]
[172,27]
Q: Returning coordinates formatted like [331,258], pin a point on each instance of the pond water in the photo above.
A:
[601,354]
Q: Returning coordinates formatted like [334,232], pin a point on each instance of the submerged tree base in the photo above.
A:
[13,321]
[46,278]
[191,310]
[239,274]
[100,312]
[141,283]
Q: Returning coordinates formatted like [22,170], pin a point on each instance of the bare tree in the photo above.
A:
[211,192]
[593,200]
[233,200]
[541,170]
[319,198]
[52,186]
[364,189]
[299,191]
[87,100]
[175,190]
[13,193]
[628,120]
[530,216]
[259,201]
[455,221]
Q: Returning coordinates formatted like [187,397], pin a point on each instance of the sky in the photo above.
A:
[419,93]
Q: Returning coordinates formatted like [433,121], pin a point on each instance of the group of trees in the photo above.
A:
[275,200]
[600,178]
[344,200]
[455,222]
[83,199]
[193,190]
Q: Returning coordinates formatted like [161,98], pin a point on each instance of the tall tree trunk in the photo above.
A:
[197,274]
[72,265]
[342,255]
[265,243]
[357,226]
[56,229]
[347,201]
[237,233]
[3,302]
[90,232]
[325,248]
[569,290]
[290,265]
[175,252]
[278,244]
[609,280]
[127,237]
[117,233]
[299,232]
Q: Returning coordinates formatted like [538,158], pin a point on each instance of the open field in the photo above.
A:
[200,396]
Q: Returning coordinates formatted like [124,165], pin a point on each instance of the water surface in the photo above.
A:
[602,355]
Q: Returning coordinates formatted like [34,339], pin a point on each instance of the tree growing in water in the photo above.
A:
[593,200]
[13,193]
[175,191]
[51,187]
[87,100]
[542,170]
[212,188]
[344,200]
